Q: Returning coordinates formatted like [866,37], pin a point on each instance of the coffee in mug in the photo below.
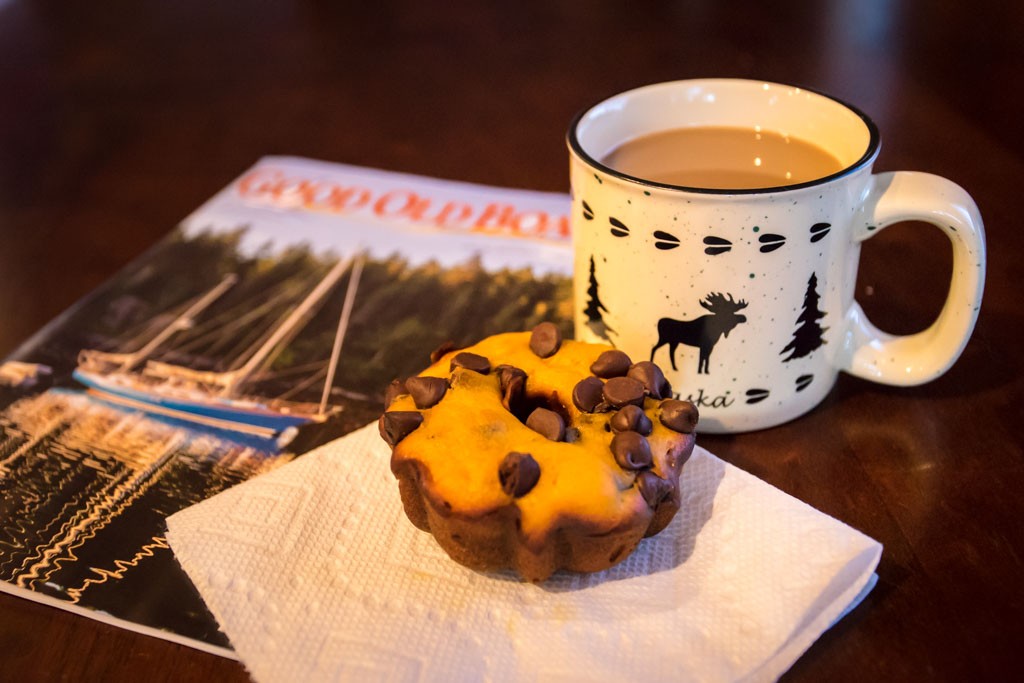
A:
[741,285]
[722,158]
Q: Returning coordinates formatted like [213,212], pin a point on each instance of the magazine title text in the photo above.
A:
[397,204]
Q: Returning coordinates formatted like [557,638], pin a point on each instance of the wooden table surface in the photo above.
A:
[119,118]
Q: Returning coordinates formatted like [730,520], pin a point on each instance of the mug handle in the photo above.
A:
[907,360]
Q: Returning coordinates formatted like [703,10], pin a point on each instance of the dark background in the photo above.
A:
[117,119]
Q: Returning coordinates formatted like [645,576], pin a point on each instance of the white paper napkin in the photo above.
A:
[314,573]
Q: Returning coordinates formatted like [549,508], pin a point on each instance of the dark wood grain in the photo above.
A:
[119,118]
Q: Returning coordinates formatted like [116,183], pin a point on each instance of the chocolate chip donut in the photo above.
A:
[531,452]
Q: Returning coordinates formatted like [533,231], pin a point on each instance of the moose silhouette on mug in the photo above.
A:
[703,332]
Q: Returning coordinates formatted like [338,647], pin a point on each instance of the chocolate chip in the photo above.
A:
[653,488]
[398,424]
[587,394]
[620,391]
[426,391]
[547,423]
[545,340]
[612,363]
[518,474]
[679,416]
[631,451]
[444,348]
[394,390]
[653,379]
[471,361]
[512,382]
[632,419]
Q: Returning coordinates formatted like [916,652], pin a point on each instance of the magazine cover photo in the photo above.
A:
[225,351]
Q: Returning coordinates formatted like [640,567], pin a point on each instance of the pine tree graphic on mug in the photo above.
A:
[595,321]
[809,334]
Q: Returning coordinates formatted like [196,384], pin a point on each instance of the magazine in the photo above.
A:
[267,323]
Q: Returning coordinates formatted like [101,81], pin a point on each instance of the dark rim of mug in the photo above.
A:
[869,153]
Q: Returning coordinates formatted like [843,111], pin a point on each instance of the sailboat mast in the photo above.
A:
[339,336]
[180,323]
[238,376]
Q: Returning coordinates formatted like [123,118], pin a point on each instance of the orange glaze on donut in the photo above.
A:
[464,438]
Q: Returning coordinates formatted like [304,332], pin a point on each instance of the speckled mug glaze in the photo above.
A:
[749,294]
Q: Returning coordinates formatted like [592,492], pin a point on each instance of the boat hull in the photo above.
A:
[218,413]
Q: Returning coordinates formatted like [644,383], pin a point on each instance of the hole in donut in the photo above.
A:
[527,403]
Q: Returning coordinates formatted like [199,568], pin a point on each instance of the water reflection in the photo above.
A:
[85,488]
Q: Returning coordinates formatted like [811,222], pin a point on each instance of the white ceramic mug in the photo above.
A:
[745,297]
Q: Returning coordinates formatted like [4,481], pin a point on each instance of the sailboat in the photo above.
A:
[215,399]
